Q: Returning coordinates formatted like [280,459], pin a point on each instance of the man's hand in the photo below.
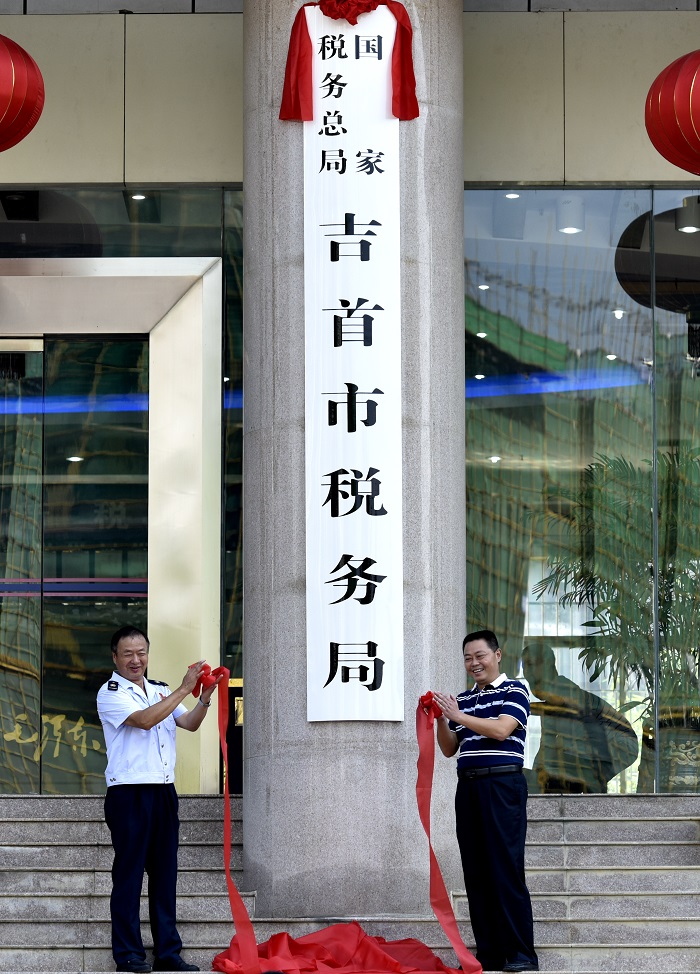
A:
[206,694]
[192,675]
[448,704]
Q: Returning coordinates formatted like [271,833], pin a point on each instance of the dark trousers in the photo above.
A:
[144,824]
[491,825]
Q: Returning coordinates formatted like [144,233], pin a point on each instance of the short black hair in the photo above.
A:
[485,634]
[126,632]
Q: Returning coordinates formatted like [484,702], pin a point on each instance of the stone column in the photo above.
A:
[330,826]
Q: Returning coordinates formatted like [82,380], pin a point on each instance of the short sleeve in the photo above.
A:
[115,706]
[517,703]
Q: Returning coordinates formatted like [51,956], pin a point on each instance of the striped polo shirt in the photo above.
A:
[503,696]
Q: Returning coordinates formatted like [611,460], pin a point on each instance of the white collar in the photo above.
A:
[129,684]
[501,678]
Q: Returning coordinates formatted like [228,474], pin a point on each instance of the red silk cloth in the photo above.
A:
[342,948]
[430,705]
[248,952]
[297,96]
[426,713]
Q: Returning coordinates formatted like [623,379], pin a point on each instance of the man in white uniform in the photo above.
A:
[139,718]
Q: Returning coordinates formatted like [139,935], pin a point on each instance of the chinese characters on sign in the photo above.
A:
[354,556]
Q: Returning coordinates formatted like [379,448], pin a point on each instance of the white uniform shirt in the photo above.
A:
[135,756]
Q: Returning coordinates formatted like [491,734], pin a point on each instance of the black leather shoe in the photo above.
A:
[173,964]
[521,965]
[136,967]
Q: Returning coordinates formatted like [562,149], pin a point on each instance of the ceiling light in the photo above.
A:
[495,459]
[611,358]
[142,207]
[619,313]
[570,215]
[226,379]
[479,376]
[75,459]
[512,196]
[483,287]
[687,217]
[481,334]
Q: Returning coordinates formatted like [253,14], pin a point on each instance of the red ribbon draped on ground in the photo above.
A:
[343,948]
[248,962]
[297,95]
[426,714]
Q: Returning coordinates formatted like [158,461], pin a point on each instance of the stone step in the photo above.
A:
[100,857]
[87,881]
[573,830]
[77,907]
[604,906]
[604,807]
[208,906]
[23,832]
[586,959]
[673,932]
[90,808]
[611,854]
[580,879]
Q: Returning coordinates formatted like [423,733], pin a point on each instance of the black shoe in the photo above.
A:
[174,964]
[521,965]
[136,967]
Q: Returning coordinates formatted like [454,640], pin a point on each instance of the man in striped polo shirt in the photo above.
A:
[486,725]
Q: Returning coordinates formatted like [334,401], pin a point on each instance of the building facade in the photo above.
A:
[549,491]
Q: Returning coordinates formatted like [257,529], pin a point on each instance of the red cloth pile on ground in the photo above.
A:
[343,948]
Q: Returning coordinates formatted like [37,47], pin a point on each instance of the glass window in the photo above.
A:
[73,493]
[560,474]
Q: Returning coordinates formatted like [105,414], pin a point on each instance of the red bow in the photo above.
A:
[429,705]
[347,9]
[207,678]
[297,96]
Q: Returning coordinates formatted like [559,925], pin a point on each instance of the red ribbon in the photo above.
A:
[430,705]
[348,10]
[247,951]
[297,96]
[343,947]
[426,713]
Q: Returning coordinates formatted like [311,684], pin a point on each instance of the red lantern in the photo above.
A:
[672,113]
[21,93]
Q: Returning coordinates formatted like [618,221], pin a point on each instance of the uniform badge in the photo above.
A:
[112,685]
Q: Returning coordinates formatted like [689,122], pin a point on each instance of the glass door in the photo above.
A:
[21,452]
[73,543]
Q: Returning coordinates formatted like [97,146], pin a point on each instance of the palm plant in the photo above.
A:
[605,564]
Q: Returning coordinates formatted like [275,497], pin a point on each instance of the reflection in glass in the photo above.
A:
[20,569]
[677,316]
[559,532]
[95,541]
[95,505]
[233,445]
[584,742]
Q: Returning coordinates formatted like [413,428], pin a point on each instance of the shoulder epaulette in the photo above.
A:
[112,685]
[158,683]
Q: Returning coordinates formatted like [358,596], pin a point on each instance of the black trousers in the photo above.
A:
[143,821]
[491,825]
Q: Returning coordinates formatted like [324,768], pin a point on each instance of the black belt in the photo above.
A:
[489,770]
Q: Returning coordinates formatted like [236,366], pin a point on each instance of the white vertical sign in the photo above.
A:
[354,555]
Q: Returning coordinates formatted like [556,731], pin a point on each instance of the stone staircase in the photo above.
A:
[615,882]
